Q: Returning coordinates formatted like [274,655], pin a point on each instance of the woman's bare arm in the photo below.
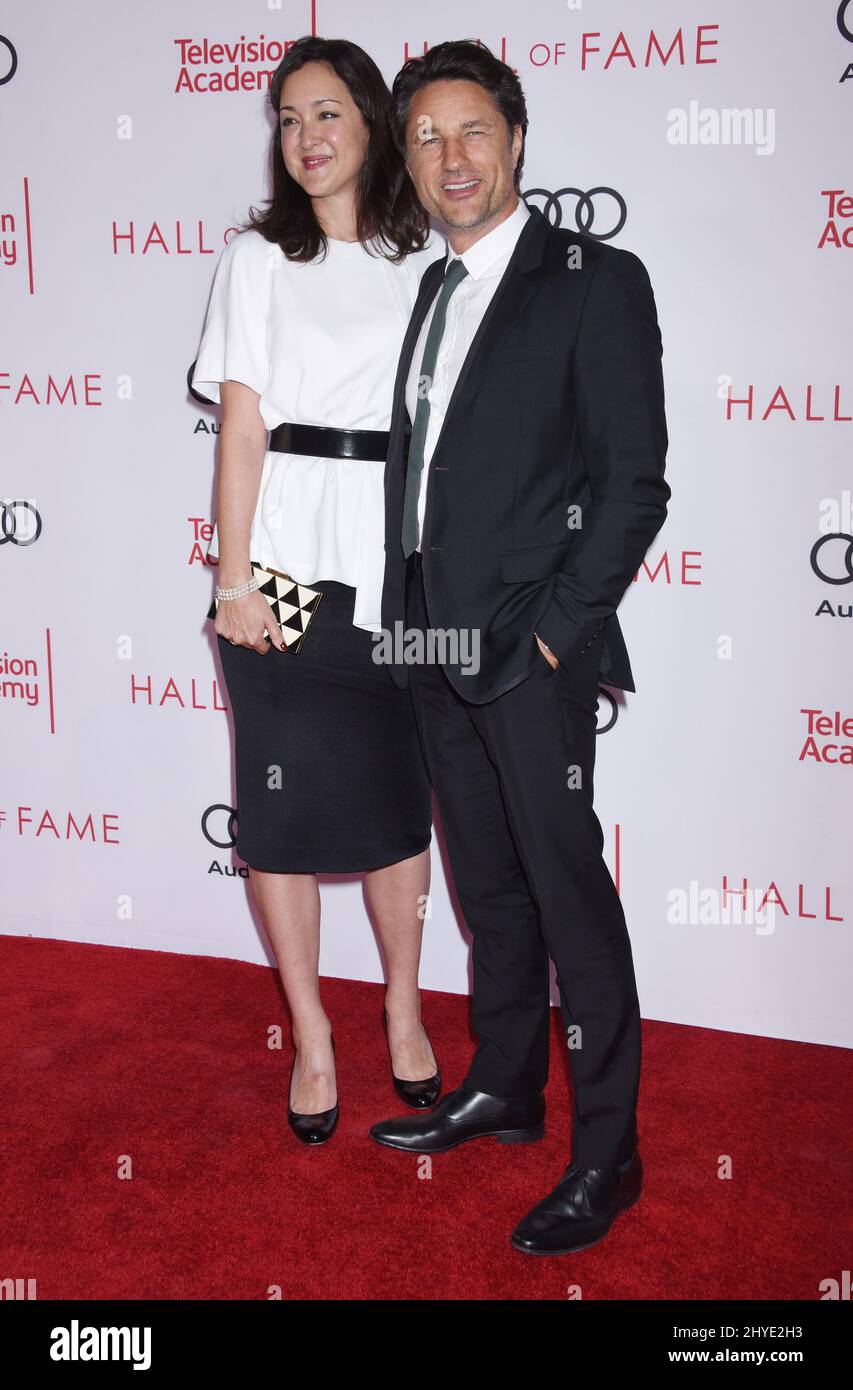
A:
[242,445]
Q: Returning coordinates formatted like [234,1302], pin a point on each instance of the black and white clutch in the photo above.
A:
[293,605]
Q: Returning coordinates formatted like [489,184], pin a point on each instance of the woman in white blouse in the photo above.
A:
[306,319]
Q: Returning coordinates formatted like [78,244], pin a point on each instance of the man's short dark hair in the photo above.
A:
[464,61]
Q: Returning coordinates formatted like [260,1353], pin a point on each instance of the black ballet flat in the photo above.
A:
[313,1129]
[419,1094]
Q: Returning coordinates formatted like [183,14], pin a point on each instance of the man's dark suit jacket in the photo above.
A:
[560,401]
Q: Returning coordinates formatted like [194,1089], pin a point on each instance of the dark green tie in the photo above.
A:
[456,271]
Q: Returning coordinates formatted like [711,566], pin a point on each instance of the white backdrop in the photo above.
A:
[116,743]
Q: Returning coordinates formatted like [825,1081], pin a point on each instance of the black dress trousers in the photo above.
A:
[525,848]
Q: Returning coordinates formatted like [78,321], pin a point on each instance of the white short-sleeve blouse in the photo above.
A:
[319,342]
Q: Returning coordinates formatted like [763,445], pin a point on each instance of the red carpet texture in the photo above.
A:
[145,1152]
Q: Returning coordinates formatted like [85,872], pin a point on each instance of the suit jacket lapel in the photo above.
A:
[515,289]
[516,286]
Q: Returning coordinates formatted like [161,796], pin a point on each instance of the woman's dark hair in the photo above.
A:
[464,61]
[386,205]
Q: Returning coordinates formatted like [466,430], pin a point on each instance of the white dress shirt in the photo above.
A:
[485,262]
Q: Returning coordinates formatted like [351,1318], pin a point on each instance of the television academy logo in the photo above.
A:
[581,206]
[240,65]
[824,731]
[838,227]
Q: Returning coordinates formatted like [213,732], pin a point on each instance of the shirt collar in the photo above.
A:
[488,255]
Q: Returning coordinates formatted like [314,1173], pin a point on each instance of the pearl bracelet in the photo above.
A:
[238,590]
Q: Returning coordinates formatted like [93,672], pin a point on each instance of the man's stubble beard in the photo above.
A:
[488,215]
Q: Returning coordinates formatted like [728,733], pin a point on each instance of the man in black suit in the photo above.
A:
[518,512]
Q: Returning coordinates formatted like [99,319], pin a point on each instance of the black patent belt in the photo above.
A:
[319,441]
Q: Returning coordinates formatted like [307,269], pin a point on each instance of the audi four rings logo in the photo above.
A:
[843,27]
[841,553]
[230,826]
[196,395]
[583,207]
[8,60]
[612,716]
[20,523]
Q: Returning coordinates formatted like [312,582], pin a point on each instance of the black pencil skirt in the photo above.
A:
[330,775]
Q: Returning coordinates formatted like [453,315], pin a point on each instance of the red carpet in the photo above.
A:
[163,1058]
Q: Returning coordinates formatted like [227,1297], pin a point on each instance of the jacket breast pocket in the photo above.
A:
[535,356]
[532,562]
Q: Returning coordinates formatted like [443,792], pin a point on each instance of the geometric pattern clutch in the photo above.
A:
[293,605]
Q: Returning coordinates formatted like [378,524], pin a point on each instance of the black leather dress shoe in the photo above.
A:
[580,1210]
[420,1094]
[464,1114]
[313,1129]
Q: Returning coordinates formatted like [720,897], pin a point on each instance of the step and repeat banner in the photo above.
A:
[710,137]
